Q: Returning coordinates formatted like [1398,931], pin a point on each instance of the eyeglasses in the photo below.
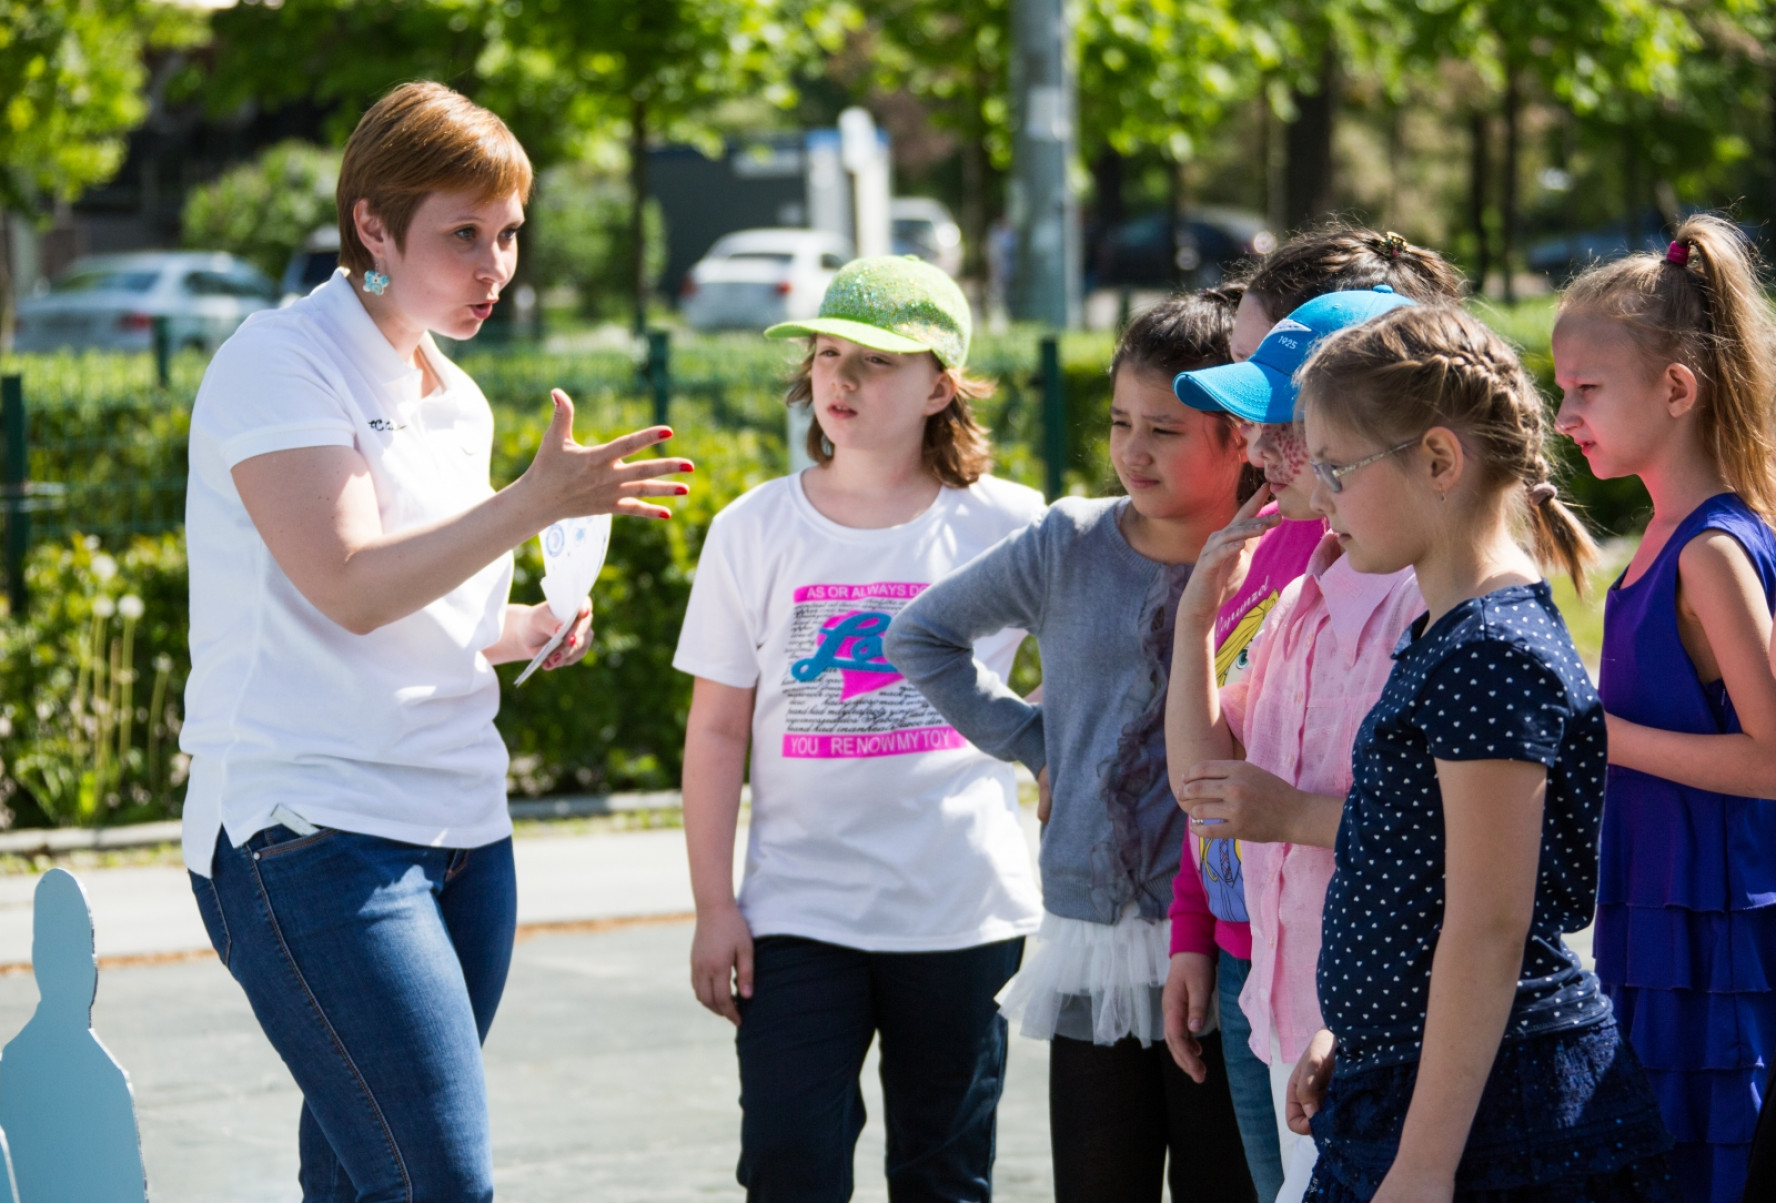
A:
[1332,475]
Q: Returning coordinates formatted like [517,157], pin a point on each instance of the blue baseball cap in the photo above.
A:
[1262,389]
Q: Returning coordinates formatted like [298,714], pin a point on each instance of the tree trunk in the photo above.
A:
[6,283]
[1509,170]
[1479,185]
[1633,188]
[974,190]
[1770,154]
[1308,175]
[638,191]
[1180,274]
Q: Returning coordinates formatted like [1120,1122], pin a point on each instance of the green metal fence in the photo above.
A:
[96,445]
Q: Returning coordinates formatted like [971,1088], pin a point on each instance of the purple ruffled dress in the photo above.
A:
[1686,930]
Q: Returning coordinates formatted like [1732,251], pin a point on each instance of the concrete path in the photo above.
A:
[147,911]
[607,1080]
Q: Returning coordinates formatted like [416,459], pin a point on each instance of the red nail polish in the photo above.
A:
[690,467]
[666,436]
[683,489]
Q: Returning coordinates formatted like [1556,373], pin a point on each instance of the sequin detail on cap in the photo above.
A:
[916,305]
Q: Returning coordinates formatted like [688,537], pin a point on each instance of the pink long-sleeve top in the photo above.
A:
[1317,668]
[1280,557]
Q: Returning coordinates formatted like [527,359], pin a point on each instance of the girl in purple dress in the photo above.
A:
[1667,365]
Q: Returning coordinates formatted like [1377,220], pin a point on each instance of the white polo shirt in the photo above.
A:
[390,733]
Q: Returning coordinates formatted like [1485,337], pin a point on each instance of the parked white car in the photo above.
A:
[924,227]
[755,278]
[109,302]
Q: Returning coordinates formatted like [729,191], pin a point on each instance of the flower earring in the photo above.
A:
[376,283]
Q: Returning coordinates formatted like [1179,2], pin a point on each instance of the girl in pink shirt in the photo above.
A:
[1265,760]
[1209,905]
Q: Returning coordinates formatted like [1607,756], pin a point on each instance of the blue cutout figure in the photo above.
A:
[64,1100]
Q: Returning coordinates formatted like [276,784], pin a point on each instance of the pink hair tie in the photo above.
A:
[1678,254]
[1542,493]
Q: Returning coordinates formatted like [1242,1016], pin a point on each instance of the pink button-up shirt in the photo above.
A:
[1281,556]
[1317,667]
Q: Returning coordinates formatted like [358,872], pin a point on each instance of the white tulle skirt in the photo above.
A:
[1118,969]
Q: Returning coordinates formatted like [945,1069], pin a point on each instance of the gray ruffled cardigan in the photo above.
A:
[1102,615]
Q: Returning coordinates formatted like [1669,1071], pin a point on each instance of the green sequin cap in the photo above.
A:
[896,303]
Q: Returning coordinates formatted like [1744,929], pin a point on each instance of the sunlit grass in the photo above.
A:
[1584,618]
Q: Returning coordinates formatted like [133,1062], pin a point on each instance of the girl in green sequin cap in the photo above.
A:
[887,889]
[903,306]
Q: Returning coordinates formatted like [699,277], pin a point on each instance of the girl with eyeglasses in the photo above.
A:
[1467,1055]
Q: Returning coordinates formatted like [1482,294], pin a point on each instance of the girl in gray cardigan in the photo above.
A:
[1097,583]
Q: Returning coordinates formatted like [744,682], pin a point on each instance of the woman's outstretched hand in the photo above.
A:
[1221,567]
[572,480]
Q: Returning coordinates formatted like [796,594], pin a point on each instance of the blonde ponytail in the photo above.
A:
[1702,305]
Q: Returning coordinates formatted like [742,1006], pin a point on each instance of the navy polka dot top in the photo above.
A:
[1496,678]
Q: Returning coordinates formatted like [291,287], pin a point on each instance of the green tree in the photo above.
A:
[344,54]
[565,74]
[577,234]
[1605,61]
[956,58]
[649,69]
[264,210]
[71,78]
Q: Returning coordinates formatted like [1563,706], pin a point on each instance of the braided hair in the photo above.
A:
[1398,376]
[1701,304]
[1339,256]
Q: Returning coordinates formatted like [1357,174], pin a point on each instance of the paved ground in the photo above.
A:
[608,1082]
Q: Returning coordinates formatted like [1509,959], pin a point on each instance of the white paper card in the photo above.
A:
[573,553]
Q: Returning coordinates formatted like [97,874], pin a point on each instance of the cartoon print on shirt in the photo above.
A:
[845,699]
[1232,654]
[1221,862]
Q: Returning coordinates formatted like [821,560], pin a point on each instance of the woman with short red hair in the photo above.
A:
[346,825]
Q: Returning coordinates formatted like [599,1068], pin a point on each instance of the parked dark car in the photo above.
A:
[1210,241]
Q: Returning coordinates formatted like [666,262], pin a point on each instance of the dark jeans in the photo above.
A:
[1114,1113]
[375,968]
[802,1040]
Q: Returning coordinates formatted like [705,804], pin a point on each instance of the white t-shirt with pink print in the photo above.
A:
[874,824]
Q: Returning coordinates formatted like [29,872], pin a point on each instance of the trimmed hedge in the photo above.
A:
[616,721]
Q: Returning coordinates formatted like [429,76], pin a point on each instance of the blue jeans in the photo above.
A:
[1249,1080]
[375,968]
[803,1035]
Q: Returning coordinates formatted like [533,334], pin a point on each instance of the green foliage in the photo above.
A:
[343,55]
[99,425]
[70,87]
[616,720]
[954,57]
[577,234]
[265,210]
[1160,74]
[91,685]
